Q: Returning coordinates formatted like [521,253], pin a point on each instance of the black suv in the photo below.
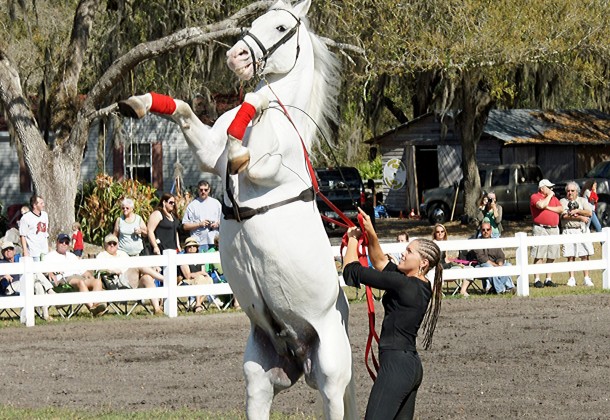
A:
[343,186]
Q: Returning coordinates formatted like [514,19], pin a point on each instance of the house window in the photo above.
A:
[138,162]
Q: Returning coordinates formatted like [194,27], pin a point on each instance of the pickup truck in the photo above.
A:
[512,183]
[343,186]
[601,174]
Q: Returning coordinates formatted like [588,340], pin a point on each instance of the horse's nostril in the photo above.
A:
[242,53]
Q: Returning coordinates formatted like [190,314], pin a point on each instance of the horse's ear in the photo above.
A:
[301,9]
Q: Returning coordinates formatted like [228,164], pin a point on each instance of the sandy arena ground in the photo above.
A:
[491,358]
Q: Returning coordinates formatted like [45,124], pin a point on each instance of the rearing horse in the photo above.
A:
[274,250]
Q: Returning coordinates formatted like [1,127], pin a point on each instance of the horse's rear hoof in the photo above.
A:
[238,164]
[132,108]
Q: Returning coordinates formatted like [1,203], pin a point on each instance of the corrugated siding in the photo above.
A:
[9,167]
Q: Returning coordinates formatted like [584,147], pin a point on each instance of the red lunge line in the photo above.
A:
[246,113]
[162,104]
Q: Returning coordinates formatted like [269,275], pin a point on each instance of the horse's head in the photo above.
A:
[271,46]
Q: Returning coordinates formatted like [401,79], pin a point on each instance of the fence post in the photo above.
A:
[170,276]
[28,316]
[523,285]
[606,257]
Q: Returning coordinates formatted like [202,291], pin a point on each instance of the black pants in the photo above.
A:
[395,389]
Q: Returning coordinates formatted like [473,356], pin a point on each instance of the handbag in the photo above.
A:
[111,281]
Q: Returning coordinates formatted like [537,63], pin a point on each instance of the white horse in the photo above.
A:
[278,261]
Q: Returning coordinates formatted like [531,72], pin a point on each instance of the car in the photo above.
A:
[344,188]
[513,185]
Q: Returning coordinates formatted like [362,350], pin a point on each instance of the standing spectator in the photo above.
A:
[130,277]
[163,226]
[82,282]
[196,274]
[590,193]
[574,220]
[202,217]
[130,228]
[494,257]
[78,245]
[490,211]
[545,209]
[33,230]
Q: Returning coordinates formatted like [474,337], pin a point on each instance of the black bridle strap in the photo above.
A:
[244,213]
[266,53]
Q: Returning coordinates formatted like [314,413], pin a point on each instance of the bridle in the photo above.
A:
[259,65]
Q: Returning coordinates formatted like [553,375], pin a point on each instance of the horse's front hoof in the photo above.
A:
[132,107]
[238,164]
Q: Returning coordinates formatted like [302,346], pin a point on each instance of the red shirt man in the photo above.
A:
[545,209]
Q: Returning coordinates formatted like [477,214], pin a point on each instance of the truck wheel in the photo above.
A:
[438,213]
[603,213]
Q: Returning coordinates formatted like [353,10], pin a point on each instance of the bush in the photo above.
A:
[101,204]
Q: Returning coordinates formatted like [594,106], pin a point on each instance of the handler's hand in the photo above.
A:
[368,225]
[354,232]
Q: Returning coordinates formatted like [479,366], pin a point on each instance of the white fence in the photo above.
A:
[170,261]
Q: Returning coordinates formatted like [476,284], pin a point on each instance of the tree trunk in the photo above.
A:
[474,105]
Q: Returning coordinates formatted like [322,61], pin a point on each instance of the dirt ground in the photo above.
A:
[491,358]
[499,357]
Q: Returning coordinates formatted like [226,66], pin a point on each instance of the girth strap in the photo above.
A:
[244,213]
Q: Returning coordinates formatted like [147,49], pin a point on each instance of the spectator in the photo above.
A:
[130,228]
[163,226]
[494,257]
[202,217]
[78,245]
[12,234]
[590,193]
[130,277]
[490,211]
[215,271]
[439,233]
[196,274]
[9,283]
[80,281]
[33,230]
[545,209]
[401,237]
[576,214]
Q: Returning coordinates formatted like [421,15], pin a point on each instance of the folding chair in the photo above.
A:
[227,300]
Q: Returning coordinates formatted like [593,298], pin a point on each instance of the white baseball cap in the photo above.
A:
[545,183]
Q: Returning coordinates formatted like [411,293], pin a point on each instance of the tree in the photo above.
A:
[54,162]
[476,54]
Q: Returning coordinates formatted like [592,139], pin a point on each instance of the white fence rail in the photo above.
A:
[170,261]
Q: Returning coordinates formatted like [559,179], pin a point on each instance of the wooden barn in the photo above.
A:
[565,144]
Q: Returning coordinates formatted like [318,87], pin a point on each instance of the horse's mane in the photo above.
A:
[325,92]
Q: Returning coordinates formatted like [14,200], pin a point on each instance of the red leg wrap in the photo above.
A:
[162,104]
[238,127]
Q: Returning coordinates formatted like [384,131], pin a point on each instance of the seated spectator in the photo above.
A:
[402,237]
[10,284]
[494,257]
[80,281]
[195,274]
[131,277]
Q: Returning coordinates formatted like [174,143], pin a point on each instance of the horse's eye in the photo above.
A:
[281,28]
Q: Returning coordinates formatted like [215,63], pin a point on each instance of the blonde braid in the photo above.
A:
[430,251]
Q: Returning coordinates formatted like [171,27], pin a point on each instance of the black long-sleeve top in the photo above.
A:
[405,302]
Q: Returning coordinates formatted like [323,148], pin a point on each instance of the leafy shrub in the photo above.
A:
[101,204]
[371,169]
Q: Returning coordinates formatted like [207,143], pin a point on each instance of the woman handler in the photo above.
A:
[410,301]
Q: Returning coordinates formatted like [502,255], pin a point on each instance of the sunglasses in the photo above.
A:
[171,202]
[570,190]
[9,249]
[125,208]
[204,190]
[440,231]
[112,243]
[64,242]
[485,230]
